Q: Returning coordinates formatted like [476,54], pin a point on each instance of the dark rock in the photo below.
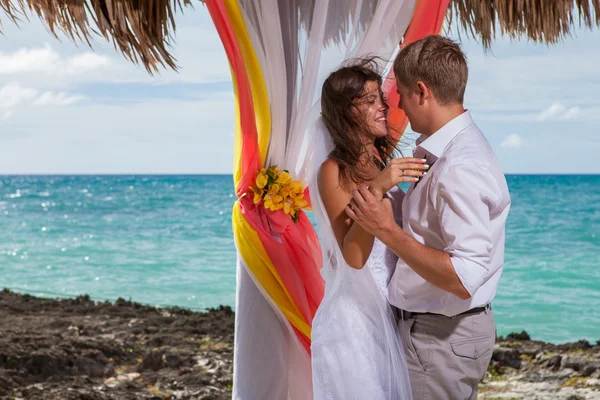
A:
[507,356]
[44,364]
[95,365]
[578,363]
[121,302]
[174,361]
[531,349]
[554,362]
[59,324]
[534,377]
[152,361]
[581,345]
[5,385]
[150,330]
[156,341]
[85,299]
[166,321]
[589,369]
[523,336]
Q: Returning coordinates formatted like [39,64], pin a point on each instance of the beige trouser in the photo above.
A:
[447,356]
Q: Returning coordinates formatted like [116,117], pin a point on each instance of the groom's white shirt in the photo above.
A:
[459,207]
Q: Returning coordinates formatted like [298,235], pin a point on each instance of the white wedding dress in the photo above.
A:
[356,349]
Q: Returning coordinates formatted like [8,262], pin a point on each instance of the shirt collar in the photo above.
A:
[436,143]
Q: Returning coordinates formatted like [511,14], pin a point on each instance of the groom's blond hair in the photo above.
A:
[439,63]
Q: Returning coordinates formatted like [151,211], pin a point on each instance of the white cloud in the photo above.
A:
[13,94]
[57,99]
[85,62]
[48,61]
[558,111]
[28,60]
[572,113]
[512,141]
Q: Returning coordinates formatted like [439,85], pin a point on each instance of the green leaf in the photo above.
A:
[296,217]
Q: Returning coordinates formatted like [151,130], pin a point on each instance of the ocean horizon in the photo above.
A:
[166,240]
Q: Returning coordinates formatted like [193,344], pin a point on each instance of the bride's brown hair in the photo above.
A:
[338,95]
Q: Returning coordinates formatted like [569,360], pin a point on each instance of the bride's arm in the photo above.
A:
[355,242]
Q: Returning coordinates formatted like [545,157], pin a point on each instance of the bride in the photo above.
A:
[356,353]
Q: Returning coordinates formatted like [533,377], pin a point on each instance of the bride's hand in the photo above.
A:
[405,169]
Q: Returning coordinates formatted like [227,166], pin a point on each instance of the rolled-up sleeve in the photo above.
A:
[463,197]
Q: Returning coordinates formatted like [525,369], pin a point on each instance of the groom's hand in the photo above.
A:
[372,214]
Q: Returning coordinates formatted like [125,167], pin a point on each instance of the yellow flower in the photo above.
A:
[274,188]
[275,170]
[296,189]
[262,180]
[300,203]
[257,193]
[288,206]
[273,202]
[296,186]
[284,177]
[285,191]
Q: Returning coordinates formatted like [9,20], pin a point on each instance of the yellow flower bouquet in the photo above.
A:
[278,191]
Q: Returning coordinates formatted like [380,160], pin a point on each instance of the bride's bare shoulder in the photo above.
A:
[329,167]
[329,173]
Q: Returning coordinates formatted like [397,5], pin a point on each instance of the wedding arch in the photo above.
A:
[280,51]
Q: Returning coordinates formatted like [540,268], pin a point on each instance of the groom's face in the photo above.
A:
[410,104]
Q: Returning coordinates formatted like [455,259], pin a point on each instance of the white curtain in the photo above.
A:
[298,44]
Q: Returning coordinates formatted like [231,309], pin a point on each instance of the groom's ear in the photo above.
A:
[423,92]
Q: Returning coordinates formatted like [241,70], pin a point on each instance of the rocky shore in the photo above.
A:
[84,350]
[79,349]
[522,368]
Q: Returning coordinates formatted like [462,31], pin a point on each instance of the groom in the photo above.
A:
[451,243]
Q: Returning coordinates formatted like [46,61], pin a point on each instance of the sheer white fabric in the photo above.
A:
[269,361]
[356,349]
[298,43]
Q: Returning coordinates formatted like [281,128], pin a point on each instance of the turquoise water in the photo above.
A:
[167,240]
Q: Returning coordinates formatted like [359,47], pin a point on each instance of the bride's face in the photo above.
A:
[372,109]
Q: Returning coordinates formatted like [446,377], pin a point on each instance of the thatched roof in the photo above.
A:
[542,21]
[142,29]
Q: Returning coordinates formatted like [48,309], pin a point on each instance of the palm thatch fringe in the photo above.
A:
[140,29]
[543,21]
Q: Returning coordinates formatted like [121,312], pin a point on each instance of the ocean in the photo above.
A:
[167,240]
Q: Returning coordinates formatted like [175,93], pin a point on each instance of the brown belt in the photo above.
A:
[404,315]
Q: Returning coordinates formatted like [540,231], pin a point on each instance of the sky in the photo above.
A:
[65,109]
